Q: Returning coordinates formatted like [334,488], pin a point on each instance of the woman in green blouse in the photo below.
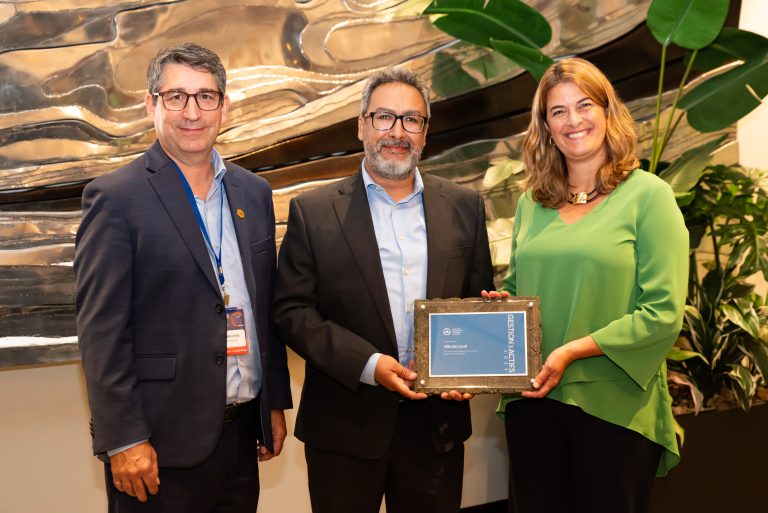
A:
[604,245]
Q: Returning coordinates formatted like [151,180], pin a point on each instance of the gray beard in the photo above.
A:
[391,169]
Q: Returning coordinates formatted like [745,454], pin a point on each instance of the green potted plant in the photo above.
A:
[722,352]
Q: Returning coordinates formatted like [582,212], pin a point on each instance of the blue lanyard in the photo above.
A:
[191,198]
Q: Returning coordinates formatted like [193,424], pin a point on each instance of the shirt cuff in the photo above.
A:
[367,376]
[125,447]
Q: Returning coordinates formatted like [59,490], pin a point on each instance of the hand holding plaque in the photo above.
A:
[477,345]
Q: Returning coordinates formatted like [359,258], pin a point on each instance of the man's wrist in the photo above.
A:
[368,376]
[124,448]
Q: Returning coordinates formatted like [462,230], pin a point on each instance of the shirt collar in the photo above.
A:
[218,166]
[370,185]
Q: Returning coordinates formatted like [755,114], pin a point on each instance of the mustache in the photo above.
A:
[391,141]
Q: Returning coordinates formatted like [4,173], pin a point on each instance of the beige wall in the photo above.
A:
[47,464]
[752,129]
[45,444]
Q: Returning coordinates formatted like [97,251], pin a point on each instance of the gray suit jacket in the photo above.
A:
[331,307]
[150,317]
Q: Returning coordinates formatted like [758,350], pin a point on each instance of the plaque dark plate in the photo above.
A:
[475,345]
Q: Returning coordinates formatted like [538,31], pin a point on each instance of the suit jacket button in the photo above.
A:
[219,359]
[219,308]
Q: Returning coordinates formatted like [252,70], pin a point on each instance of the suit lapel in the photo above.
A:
[236,200]
[438,218]
[165,180]
[354,216]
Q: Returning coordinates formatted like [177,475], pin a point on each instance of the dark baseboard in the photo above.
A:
[722,466]
[491,507]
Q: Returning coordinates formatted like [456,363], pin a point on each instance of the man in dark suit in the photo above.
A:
[355,255]
[174,264]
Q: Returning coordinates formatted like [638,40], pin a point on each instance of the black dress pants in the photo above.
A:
[412,476]
[563,460]
[228,482]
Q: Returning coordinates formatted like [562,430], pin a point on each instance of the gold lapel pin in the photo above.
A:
[240,213]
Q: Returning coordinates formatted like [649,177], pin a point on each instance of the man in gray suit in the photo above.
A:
[174,267]
[355,255]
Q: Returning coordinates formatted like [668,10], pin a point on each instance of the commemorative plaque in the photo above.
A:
[477,345]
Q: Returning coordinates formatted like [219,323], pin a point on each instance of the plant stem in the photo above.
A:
[720,271]
[670,128]
[693,278]
[670,131]
[655,140]
[715,247]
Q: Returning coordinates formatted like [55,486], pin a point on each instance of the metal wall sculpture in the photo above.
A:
[72,87]
[72,92]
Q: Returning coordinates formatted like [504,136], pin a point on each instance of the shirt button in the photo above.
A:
[219,359]
[401,238]
[405,272]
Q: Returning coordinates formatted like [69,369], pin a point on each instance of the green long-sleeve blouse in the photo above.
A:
[618,274]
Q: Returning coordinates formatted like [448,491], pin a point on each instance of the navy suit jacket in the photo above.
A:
[332,308]
[150,317]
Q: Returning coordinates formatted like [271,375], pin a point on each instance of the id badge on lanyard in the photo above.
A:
[237,341]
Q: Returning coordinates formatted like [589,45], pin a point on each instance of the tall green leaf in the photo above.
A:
[685,172]
[696,396]
[722,100]
[448,76]
[684,199]
[730,45]
[515,29]
[743,385]
[758,349]
[691,24]
[740,288]
[744,319]
[501,171]
[530,59]
[471,20]
[680,355]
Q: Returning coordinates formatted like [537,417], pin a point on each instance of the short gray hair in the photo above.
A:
[188,54]
[387,76]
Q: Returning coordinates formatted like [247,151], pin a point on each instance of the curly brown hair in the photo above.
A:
[547,173]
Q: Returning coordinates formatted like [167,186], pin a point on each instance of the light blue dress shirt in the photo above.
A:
[243,371]
[401,234]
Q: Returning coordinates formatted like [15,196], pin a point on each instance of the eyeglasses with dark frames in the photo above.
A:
[177,100]
[412,123]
